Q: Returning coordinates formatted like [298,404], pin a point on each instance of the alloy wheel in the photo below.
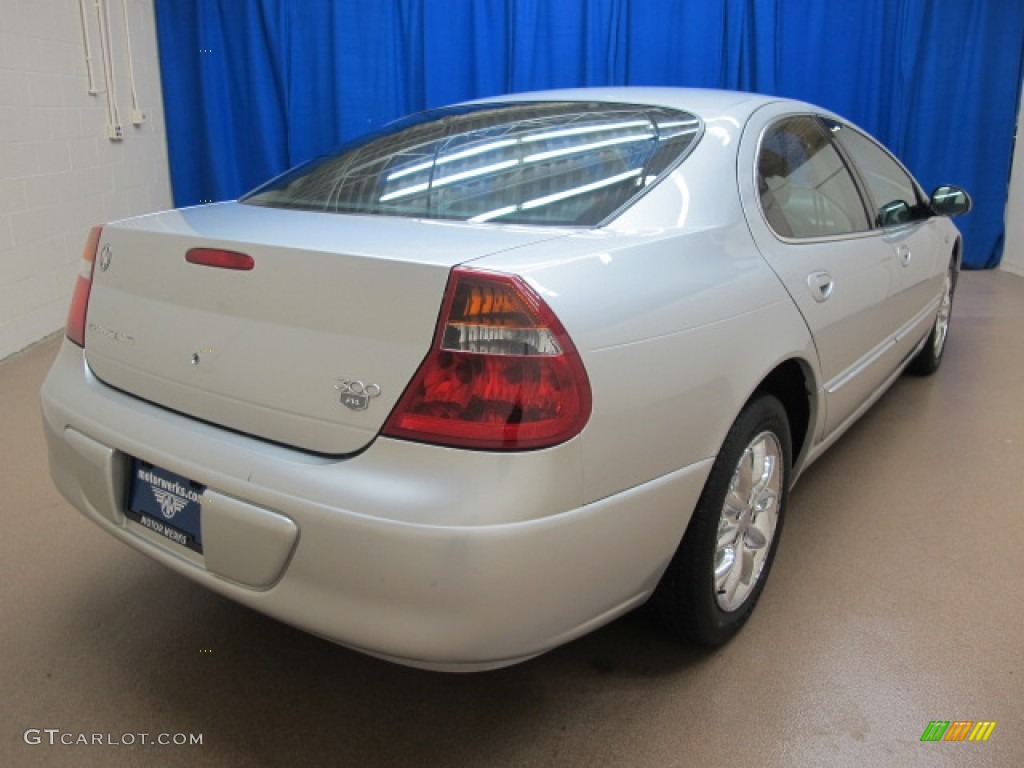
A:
[942,319]
[748,520]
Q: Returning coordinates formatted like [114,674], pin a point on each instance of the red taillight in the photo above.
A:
[75,327]
[218,257]
[502,373]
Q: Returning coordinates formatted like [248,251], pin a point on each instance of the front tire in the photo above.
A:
[713,582]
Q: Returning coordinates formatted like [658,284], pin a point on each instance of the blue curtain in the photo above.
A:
[252,87]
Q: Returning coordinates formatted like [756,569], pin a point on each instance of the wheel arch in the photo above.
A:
[792,383]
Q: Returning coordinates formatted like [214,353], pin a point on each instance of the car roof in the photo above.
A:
[703,102]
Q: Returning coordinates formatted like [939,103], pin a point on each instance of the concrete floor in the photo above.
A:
[896,599]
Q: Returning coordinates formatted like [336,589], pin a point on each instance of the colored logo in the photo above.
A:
[958,730]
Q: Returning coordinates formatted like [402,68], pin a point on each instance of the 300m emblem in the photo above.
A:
[356,395]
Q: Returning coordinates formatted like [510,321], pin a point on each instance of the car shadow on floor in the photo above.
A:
[212,666]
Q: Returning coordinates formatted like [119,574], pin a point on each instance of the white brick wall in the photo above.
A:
[59,174]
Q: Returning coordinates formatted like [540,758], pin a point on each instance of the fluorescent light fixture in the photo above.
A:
[482,171]
[404,191]
[495,213]
[667,136]
[493,168]
[584,147]
[410,169]
[583,129]
[677,123]
[548,199]
[462,155]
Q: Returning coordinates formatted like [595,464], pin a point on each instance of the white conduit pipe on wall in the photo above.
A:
[137,116]
[93,90]
[114,130]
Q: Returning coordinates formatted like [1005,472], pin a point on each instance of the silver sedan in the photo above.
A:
[478,383]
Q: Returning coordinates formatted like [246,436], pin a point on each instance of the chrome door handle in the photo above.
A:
[904,254]
[821,285]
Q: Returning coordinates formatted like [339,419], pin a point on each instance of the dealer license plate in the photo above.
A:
[167,504]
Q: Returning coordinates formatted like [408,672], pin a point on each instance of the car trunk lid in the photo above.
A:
[310,347]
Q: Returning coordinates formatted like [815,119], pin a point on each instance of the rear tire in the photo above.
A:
[713,582]
[929,358]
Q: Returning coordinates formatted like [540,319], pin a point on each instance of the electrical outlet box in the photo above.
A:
[115,132]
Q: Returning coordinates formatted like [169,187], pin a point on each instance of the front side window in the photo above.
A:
[549,163]
[885,179]
[806,190]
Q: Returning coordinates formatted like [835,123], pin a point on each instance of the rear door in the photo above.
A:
[810,221]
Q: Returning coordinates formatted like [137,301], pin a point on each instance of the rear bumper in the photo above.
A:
[431,557]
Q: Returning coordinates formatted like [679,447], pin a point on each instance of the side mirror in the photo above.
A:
[893,214]
[948,200]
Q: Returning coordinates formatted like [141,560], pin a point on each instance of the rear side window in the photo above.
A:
[553,163]
[805,187]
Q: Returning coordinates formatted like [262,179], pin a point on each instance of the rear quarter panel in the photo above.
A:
[676,315]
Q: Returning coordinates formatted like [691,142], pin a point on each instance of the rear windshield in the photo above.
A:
[548,163]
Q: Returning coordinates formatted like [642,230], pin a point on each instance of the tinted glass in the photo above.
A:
[805,187]
[886,180]
[554,163]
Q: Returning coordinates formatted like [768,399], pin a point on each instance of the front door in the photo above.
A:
[912,232]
